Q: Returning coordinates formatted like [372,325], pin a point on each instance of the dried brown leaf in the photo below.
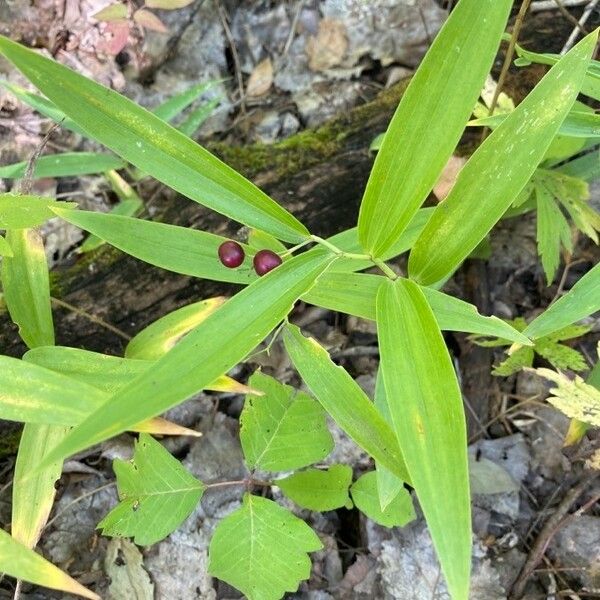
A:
[261,79]
[327,48]
[149,20]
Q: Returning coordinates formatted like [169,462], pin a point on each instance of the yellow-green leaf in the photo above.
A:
[426,407]
[152,145]
[498,170]
[430,120]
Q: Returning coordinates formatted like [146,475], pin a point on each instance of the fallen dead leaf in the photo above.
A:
[114,37]
[112,12]
[261,79]
[448,176]
[327,48]
[149,20]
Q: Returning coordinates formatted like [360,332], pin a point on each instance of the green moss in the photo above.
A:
[308,147]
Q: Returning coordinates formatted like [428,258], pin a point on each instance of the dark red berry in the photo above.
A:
[265,261]
[231,254]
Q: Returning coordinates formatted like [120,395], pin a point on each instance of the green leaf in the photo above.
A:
[125,208]
[552,229]
[179,249]
[25,282]
[155,340]
[523,357]
[197,117]
[388,485]
[344,400]
[575,398]
[66,164]
[167,4]
[579,302]
[498,170]
[19,561]
[177,103]
[18,211]
[261,549]
[43,106]
[586,167]
[258,240]
[397,513]
[355,294]
[156,495]
[284,429]
[435,107]
[577,123]
[317,489]
[33,496]
[108,373]
[112,12]
[153,146]
[210,350]
[426,407]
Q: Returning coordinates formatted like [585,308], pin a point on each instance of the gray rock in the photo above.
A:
[269,128]
[577,546]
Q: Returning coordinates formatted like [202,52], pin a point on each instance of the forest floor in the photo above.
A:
[284,67]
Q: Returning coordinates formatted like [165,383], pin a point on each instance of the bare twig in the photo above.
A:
[567,15]
[542,5]
[90,317]
[293,27]
[23,186]
[549,530]
[234,53]
[576,31]
[507,60]
[563,279]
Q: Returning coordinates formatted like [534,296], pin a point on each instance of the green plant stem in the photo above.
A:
[387,270]
[296,247]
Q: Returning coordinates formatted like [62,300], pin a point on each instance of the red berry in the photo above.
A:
[231,254]
[265,261]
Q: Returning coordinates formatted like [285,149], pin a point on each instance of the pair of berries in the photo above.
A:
[232,255]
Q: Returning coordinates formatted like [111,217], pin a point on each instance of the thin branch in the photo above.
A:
[90,317]
[576,31]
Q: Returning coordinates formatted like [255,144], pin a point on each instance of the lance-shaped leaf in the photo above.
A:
[344,400]
[156,495]
[211,349]
[19,211]
[283,429]
[5,249]
[19,561]
[498,170]
[355,294]
[152,145]
[159,337]
[177,103]
[33,496]
[261,549]
[388,485]
[582,300]
[318,489]
[426,408]
[430,120]
[65,164]
[397,513]
[34,394]
[178,249]
[109,373]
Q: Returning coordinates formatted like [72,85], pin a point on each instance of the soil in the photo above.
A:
[320,81]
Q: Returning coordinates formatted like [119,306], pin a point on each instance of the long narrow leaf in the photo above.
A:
[344,400]
[425,404]
[178,249]
[430,119]
[65,164]
[210,350]
[356,293]
[18,561]
[26,287]
[152,145]
[20,211]
[582,300]
[498,170]
[177,103]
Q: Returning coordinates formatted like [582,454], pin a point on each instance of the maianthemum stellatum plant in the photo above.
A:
[414,428]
